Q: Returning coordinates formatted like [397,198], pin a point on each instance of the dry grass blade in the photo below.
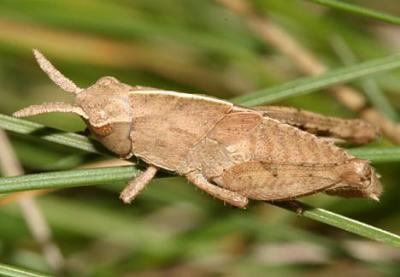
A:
[33,216]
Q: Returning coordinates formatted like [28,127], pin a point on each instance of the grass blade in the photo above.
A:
[351,8]
[377,154]
[344,223]
[369,86]
[309,84]
[64,179]
[74,140]
[12,271]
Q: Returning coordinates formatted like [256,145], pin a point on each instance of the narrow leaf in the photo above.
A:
[70,178]
[342,222]
[369,86]
[309,84]
[351,8]
[12,271]
[25,127]
[377,154]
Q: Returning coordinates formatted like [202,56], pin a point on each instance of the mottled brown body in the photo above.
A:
[233,153]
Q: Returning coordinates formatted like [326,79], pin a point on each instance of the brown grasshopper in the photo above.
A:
[231,152]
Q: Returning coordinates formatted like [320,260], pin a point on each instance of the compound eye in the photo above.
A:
[107,80]
[102,131]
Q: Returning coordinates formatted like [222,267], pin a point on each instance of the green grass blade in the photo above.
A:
[369,86]
[24,127]
[377,154]
[64,179]
[342,222]
[309,84]
[351,8]
[12,271]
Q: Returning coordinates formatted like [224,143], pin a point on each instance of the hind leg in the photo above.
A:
[355,131]
[225,195]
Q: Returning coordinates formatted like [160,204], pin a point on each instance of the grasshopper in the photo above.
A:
[233,153]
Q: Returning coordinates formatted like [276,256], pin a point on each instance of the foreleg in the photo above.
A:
[135,186]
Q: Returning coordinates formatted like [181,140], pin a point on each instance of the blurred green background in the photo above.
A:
[198,47]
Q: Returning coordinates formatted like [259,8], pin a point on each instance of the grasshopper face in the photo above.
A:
[105,103]
[104,107]
[109,114]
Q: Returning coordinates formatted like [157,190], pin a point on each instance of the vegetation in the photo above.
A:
[210,47]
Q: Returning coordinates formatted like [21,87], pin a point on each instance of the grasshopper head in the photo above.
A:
[104,107]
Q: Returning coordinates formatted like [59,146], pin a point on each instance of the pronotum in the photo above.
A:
[233,153]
